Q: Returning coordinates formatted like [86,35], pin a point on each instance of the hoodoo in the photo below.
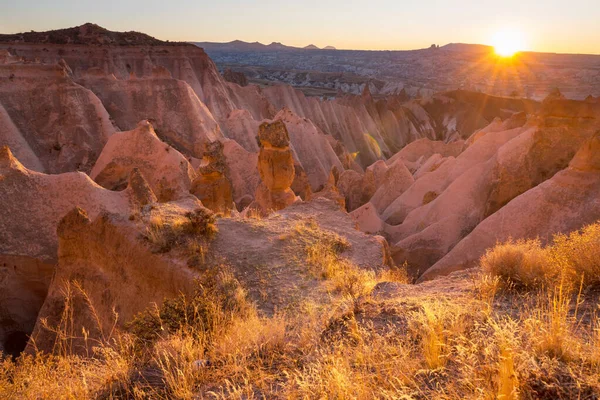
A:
[212,186]
[276,168]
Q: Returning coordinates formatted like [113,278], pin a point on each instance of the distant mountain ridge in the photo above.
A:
[240,45]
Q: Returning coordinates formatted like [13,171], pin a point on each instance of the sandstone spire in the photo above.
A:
[276,168]
[212,186]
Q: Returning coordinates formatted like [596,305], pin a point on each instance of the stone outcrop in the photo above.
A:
[355,188]
[98,260]
[167,171]
[242,172]
[330,191]
[310,147]
[212,186]
[396,180]
[276,168]
[433,183]
[520,165]
[301,184]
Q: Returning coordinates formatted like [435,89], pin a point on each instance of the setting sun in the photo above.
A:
[508,42]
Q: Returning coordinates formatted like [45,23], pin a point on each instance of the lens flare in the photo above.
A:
[508,42]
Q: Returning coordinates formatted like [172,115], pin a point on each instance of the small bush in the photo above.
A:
[202,222]
[522,263]
[165,235]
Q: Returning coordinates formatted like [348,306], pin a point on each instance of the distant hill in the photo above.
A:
[239,45]
[467,48]
[88,34]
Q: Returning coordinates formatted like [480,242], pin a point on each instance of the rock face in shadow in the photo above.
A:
[167,171]
[104,267]
[276,168]
[32,205]
[330,191]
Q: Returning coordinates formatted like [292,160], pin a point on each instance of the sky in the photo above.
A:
[561,26]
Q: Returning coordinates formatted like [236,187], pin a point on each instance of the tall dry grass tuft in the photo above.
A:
[508,382]
[568,261]
[433,336]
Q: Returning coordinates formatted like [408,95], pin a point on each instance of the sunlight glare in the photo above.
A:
[508,42]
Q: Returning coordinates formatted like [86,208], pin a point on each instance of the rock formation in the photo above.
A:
[535,154]
[52,122]
[103,256]
[330,191]
[212,186]
[175,111]
[537,213]
[276,168]
[168,172]
[33,203]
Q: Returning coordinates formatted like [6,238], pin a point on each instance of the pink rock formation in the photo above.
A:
[330,191]
[563,203]
[521,164]
[177,114]
[396,180]
[356,191]
[168,172]
[310,147]
[432,184]
[425,148]
[242,172]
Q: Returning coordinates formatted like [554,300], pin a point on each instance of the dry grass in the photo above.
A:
[497,343]
[164,235]
[567,262]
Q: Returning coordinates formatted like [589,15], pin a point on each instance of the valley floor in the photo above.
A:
[506,332]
